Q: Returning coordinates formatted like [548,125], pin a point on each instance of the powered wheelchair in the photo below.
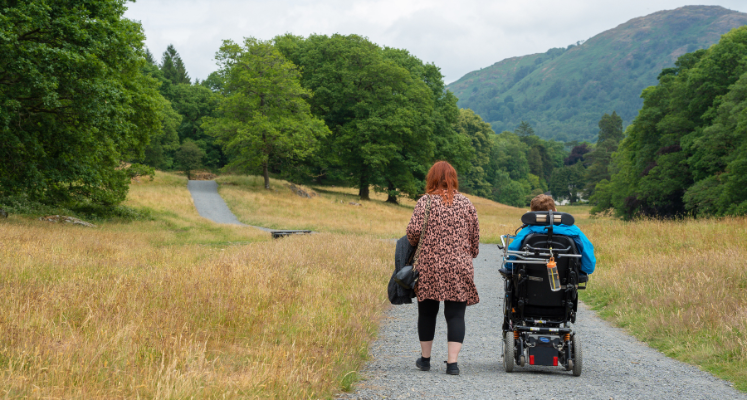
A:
[541,296]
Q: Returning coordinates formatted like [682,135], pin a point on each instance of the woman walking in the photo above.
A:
[449,243]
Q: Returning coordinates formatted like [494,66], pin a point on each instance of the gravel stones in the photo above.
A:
[616,365]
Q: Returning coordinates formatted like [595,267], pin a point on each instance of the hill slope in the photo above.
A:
[564,92]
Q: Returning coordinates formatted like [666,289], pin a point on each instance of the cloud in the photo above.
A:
[459,36]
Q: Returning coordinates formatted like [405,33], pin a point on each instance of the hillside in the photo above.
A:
[564,92]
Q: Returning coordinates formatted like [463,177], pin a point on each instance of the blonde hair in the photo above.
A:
[542,202]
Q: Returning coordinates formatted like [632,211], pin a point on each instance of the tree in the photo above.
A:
[610,128]
[173,67]
[567,182]
[524,129]
[195,103]
[74,102]
[263,115]
[481,135]
[214,82]
[578,154]
[508,171]
[162,144]
[598,160]
[380,113]
[447,142]
[189,156]
[683,150]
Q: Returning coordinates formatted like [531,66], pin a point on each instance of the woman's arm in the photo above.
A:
[416,222]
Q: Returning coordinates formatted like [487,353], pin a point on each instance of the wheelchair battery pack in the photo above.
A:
[543,351]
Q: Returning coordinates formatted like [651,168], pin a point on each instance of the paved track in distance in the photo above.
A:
[210,205]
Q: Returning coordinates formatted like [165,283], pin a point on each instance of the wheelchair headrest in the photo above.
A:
[543,218]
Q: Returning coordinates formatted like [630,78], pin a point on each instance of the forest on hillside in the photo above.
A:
[84,107]
[564,91]
[686,152]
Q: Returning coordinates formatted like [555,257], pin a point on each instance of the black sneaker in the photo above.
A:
[422,364]
[452,369]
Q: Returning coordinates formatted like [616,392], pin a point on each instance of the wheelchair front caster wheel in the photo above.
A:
[522,361]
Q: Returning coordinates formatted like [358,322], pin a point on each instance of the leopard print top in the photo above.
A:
[451,242]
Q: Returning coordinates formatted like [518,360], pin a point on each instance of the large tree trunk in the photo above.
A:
[266,174]
[390,198]
[363,188]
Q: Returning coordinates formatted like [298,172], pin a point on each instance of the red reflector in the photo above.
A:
[555,361]
[531,360]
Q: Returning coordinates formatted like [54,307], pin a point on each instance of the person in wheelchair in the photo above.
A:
[544,202]
[544,266]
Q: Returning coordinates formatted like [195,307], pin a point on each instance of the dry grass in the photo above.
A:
[679,285]
[331,211]
[180,307]
[128,310]
[176,220]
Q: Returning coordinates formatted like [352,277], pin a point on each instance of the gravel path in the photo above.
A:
[616,366]
[210,205]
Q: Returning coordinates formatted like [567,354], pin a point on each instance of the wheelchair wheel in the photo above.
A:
[577,356]
[508,351]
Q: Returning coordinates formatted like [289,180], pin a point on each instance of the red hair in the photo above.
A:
[442,180]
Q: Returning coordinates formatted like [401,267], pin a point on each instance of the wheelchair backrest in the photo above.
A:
[538,291]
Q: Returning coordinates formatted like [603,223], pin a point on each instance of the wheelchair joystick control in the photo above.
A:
[552,274]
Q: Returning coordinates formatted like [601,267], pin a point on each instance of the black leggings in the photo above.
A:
[454,313]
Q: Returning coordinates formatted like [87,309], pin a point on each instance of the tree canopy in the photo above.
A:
[377,105]
[263,114]
[685,152]
[73,100]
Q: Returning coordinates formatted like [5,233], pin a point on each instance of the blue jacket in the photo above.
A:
[583,245]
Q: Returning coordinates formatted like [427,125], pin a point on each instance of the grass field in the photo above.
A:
[178,307]
[331,211]
[681,286]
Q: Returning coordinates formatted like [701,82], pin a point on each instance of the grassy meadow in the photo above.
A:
[681,286]
[179,307]
[331,211]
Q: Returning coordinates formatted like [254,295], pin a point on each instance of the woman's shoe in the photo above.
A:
[452,369]
[423,364]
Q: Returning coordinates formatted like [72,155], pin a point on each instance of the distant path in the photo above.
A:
[616,365]
[210,205]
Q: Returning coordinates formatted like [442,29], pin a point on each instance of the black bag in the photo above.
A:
[407,277]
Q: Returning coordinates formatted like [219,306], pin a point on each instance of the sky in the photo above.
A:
[458,37]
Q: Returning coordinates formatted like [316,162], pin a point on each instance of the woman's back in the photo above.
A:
[451,242]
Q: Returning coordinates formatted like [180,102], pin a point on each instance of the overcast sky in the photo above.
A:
[458,36]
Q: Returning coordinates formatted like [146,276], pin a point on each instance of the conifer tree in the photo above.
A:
[173,67]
